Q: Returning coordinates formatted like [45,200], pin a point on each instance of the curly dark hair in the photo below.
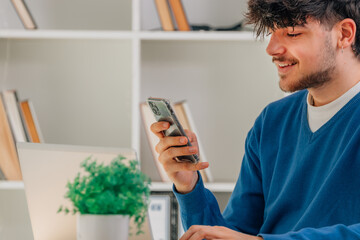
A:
[271,14]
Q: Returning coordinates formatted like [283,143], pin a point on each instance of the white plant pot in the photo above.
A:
[102,227]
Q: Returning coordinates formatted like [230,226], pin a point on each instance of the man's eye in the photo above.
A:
[293,34]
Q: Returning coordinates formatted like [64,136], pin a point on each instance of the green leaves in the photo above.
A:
[117,188]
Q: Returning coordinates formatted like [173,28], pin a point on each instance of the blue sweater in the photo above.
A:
[293,184]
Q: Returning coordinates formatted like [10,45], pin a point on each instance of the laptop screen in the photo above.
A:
[46,169]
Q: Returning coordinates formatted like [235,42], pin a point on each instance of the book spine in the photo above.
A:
[179,14]
[24,119]
[163,10]
[24,14]
[9,162]
[30,122]
[13,113]
[174,218]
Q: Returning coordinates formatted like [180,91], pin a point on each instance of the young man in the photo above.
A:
[300,172]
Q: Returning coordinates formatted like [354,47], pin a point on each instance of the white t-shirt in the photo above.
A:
[318,116]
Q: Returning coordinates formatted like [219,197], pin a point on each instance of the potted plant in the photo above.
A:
[106,197]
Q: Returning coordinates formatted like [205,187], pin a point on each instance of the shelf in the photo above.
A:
[65,34]
[198,35]
[115,35]
[155,186]
[11,185]
[214,187]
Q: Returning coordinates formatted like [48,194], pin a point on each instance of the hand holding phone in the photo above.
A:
[164,112]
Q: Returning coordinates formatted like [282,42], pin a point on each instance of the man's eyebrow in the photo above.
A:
[298,26]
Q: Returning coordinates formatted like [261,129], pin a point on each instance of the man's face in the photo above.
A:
[305,56]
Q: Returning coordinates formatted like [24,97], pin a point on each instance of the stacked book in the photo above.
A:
[172,15]
[18,123]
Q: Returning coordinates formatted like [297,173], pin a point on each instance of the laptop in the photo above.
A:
[46,169]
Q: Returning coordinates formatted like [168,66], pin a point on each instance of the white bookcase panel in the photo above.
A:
[81,89]
[226,85]
[69,14]
[14,217]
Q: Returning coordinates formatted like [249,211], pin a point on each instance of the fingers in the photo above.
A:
[192,136]
[197,232]
[186,166]
[172,166]
[158,127]
[167,142]
[173,152]
[171,147]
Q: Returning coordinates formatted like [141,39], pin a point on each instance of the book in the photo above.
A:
[11,106]
[164,14]
[183,113]
[9,162]
[24,14]
[148,119]
[30,122]
[159,216]
[164,215]
[179,15]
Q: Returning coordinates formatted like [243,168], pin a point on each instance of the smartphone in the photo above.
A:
[164,112]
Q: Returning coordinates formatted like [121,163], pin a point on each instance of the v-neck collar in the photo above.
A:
[305,123]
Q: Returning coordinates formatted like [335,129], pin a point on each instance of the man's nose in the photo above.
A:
[275,46]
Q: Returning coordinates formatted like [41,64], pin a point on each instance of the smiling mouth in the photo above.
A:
[284,65]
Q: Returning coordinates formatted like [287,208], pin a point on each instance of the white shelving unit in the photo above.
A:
[87,72]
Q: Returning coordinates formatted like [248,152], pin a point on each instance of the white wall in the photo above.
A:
[81,90]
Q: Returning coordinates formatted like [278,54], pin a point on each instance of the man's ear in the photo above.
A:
[346,32]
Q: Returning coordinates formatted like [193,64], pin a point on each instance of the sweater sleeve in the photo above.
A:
[338,231]
[245,209]
[199,207]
